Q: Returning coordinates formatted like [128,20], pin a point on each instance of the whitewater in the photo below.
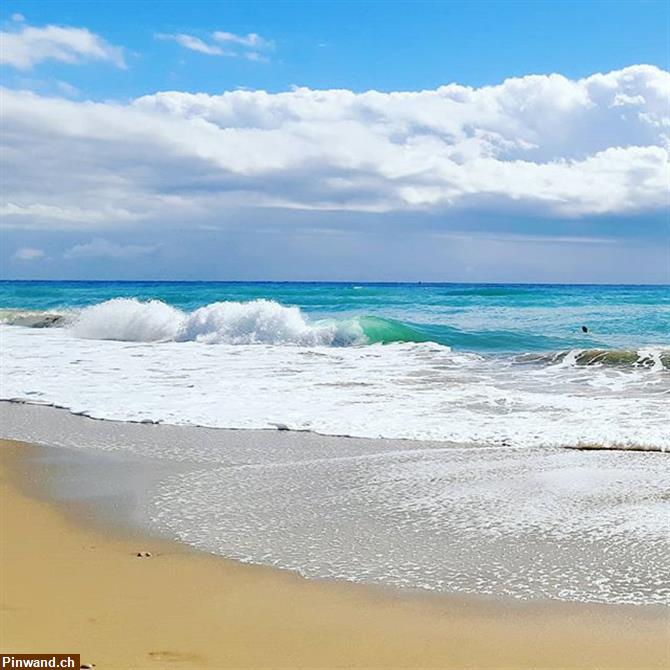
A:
[486,365]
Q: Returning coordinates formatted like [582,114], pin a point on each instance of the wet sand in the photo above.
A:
[69,584]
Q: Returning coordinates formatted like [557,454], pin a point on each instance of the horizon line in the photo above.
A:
[336,281]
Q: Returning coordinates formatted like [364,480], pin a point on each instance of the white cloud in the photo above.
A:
[253,40]
[247,46]
[25,46]
[545,145]
[28,254]
[101,248]
[193,43]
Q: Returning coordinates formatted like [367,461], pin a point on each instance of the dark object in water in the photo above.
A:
[585,329]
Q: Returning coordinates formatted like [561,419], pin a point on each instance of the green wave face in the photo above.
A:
[654,358]
[620,357]
[386,331]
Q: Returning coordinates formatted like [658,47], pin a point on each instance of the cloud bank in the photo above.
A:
[545,145]
[24,46]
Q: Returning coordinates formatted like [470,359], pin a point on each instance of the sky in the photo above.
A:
[344,141]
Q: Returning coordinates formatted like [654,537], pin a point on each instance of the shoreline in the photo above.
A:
[476,531]
[282,428]
[72,584]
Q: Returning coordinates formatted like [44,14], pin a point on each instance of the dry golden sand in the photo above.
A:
[72,587]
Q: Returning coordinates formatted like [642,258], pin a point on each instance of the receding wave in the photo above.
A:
[616,446]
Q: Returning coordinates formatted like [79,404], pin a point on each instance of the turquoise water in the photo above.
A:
[468,317]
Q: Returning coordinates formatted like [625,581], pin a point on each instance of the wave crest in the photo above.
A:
[254,322]
[263,322]
[129,320]
[269,322]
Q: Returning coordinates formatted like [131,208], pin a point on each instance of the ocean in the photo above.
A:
[472,363]
[477,389]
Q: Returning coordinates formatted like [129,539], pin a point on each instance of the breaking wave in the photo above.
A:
[651,358]
[269,322]
[254,322]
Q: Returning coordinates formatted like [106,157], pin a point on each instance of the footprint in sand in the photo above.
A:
[174,656]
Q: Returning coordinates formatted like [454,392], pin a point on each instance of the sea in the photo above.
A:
[490,364]
[497,440]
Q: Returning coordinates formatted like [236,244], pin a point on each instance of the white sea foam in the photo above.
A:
[653,357]
[254,322]
[262,322]
[412,390]
[129,320]
[526,524]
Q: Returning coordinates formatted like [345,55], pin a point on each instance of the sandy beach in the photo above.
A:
[335,335]
[69,585]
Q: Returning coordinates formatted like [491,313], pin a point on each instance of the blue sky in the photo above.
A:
[503,176]
[359,45]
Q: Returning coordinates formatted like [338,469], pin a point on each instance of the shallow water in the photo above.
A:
[524,523]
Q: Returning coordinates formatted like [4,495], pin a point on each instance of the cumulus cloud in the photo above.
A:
[28,254]
[545,145]
[248,46]
[24,46]
[101,248]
